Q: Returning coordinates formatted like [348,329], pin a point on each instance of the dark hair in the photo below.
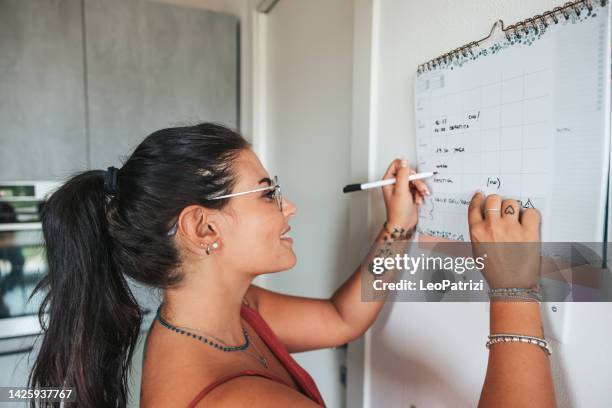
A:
[94,240]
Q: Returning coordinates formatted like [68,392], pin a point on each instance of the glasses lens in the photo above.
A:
[279,198]
[277,194]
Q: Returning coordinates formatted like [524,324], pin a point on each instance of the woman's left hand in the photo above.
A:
[403,198]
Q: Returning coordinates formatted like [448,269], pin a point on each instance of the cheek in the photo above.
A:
[257,248]
[255,243]
[253,236]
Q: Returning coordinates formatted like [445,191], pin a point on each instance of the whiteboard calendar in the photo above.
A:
[526,117]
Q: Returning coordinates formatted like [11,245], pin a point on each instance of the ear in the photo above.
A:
[197,225]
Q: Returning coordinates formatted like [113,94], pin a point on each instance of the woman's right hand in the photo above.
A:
[508,240]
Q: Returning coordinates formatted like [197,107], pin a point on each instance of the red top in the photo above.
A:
[301,377]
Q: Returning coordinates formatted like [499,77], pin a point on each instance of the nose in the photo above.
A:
[289,208]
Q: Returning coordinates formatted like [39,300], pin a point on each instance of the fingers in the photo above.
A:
[492,207]
[402,183]
[401,171]
[502,220]
[390,173]
[392,169]
[418,188]
[530,219]
[510,210]
[421,187]
[475,209]
[417,196]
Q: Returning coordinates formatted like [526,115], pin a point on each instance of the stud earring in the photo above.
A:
[215,245]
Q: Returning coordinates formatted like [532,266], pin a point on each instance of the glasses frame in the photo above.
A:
[278,196]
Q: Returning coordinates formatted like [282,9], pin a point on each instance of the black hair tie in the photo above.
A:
[110,180]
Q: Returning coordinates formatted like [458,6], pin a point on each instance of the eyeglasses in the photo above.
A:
[275,193]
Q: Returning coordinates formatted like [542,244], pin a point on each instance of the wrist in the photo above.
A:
[390,224]
[516,317]
[398,232]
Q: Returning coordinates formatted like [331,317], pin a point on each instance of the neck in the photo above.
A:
[208,301]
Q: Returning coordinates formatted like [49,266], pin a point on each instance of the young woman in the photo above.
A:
[194,212]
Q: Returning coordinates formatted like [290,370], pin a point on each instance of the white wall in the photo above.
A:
[306,89]
[442,363]
[362,161]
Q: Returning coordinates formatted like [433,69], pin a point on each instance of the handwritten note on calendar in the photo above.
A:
[526,118]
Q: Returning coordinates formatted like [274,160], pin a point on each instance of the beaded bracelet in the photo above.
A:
[516,338]
[526,294]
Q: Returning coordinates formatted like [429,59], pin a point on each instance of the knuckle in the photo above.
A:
[494,227]
[476,229]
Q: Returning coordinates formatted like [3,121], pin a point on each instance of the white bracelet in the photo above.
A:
[516,338]
[526,294]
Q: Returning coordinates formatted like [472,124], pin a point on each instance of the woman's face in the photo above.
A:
[254,237]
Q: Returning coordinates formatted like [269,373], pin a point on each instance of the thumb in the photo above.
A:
[402,185]
[390,173]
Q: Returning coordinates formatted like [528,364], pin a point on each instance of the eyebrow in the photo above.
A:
[265,180]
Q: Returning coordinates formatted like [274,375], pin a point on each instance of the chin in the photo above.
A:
[288,264]
[293,262]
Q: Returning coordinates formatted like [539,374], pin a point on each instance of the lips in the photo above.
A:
[285,233]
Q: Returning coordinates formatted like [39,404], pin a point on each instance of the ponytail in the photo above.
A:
[93,318]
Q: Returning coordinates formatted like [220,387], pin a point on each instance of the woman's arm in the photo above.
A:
[305,323]
[518,374]
[357,315]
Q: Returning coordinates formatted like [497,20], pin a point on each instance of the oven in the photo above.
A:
[22,261]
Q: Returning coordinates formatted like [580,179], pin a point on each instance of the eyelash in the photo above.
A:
[269,194]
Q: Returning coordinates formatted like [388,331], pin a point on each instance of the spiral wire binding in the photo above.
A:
[514,30]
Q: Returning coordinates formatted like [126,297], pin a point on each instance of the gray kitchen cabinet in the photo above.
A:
[82,82]
[42,110]
[152,65]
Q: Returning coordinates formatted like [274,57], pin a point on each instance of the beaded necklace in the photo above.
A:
[221,345]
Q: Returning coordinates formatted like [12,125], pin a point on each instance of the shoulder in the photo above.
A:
[256,392]
[174,372]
